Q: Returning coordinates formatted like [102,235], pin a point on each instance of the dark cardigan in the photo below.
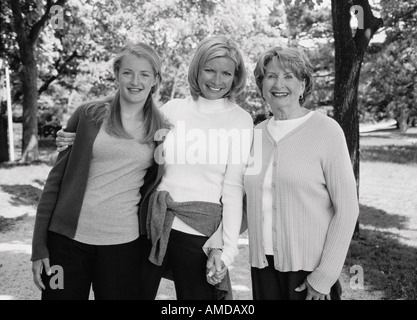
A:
[62,197]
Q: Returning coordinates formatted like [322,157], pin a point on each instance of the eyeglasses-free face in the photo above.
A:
[216,77]
[136,79]
[280,87]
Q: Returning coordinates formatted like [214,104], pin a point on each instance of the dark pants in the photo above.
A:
[111,270]
[184,263]
[270,284]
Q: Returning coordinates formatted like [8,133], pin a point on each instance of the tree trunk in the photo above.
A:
[26,40]
[349,51]
[403,119]
[29,76]
[4,145]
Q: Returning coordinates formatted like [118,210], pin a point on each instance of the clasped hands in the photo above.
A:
[215,268]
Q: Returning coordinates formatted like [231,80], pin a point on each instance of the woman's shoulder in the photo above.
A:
[176,102]
[263,124]
[326,121]
[78,115]
[240,113]
[327,127]
[172,104]
[80,111]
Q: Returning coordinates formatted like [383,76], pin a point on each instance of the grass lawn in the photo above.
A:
[380,265]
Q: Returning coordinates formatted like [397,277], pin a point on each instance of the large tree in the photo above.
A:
[350,47]
[29,19]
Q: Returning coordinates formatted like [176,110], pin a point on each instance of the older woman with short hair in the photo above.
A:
[302,206]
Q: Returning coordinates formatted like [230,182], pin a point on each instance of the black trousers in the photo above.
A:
[112,270]
[184,263]
[270,284]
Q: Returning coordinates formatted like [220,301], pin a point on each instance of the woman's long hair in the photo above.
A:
[108,108]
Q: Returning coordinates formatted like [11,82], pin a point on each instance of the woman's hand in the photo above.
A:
[64,140]
[37,267]
[215,267]
[311,293]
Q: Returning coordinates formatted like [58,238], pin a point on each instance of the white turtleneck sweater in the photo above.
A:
[205,157]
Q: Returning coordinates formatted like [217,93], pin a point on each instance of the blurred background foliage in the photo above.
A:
[74,62]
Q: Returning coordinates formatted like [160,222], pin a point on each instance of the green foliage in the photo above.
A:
[74,62]
[389,74]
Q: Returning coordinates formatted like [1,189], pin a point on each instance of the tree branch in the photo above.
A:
[394,36]
[19,23]
[60,69]
[396,19]
[38,26]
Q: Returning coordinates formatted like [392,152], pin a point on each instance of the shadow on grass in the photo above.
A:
[40,182]
[47,155]
[396,134]
[389,153]
[7,224]
[22,194]
[380,218]
[48,159]
[388,265]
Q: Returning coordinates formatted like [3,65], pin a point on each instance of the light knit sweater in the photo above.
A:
[109,214]
[315,202]
[278,129]
[206,154]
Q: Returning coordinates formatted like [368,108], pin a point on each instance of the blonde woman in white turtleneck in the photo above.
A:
[205,156]
[302,207]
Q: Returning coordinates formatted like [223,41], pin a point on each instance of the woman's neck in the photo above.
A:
[131,112]
[290,113]
[211,106]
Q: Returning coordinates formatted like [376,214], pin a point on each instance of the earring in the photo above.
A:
[301,97]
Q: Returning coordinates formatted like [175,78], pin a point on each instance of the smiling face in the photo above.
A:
[216,77]
[280,87]
[136,78]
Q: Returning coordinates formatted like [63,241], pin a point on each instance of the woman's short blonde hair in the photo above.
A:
[289,58]
[216,47]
